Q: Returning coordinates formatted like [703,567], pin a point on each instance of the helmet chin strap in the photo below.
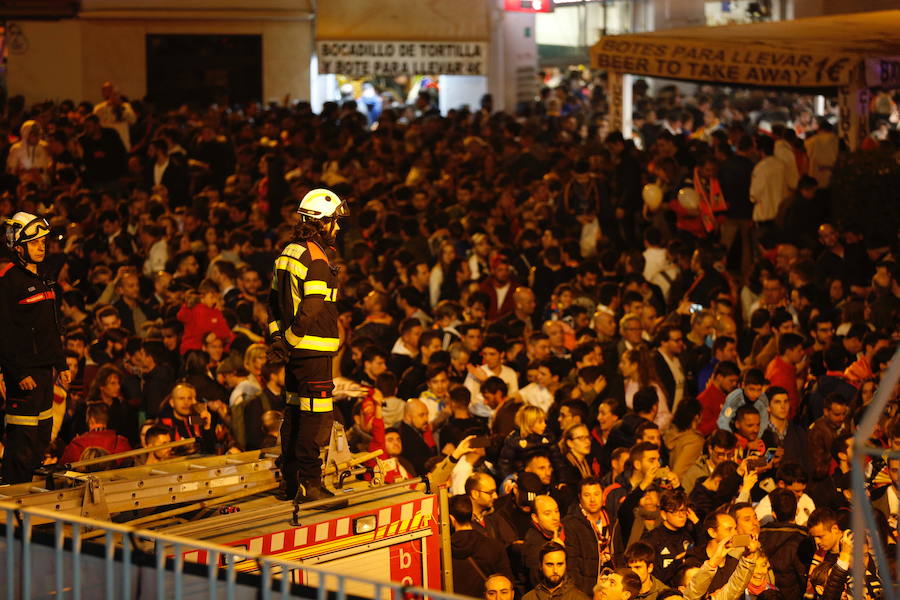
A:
[25,256]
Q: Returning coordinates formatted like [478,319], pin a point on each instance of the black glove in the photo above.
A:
[279,352]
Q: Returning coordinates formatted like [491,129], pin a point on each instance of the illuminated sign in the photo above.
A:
[699,61]
[355,58]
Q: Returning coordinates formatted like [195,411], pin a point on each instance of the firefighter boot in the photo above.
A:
[285,493]
[310,490]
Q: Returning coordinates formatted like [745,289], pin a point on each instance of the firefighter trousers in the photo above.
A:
[29,422]
[307,419]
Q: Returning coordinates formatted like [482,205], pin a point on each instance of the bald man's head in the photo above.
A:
[524,301]
[416,414]
[545,514]
[498,587]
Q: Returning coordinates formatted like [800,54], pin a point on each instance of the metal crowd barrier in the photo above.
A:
[55,561]
[863,519]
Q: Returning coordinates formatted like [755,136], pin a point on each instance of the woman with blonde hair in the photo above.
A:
[528,437]
[254,359]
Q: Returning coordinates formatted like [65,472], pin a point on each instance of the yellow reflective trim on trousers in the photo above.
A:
[311,342]
[314,342]
[315,287]
[28,420]
[273,327]
[291,265]
[316,405]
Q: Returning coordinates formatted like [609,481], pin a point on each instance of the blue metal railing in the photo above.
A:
[123,545]
[863,522]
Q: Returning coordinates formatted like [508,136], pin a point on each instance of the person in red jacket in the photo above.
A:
[97,436]
[201,315]
[782,370]
[723,381]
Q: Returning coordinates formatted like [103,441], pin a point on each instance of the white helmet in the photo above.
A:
[689,199]
[322,204]
[653,196]
[24,227]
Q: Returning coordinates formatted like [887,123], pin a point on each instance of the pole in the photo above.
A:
[614,97]
[130,453]
[627,104]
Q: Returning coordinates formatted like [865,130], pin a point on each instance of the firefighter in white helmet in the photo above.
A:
[304,337]
[30,347]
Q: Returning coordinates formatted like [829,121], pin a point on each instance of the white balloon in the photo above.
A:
[653,195]
[689,199]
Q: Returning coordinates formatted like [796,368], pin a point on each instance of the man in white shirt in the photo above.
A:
[116,114]
[768,184]
[785,153]
[492,353]
[655,258]
[541,392]
[822,150]
[791,477]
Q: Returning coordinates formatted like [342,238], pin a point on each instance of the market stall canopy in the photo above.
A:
[819,52]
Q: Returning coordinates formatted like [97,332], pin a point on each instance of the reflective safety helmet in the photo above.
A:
[25,227]
[322,204]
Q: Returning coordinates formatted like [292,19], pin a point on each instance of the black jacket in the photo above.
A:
[665,375]
[105,159]
[175,178]
[790,553]
[669,545]
[31,330]
[475,558]
[705,501]
[531,554]
[127,315]
[507,523]
[583,549]
[415,449]
[155,387]
[412,381]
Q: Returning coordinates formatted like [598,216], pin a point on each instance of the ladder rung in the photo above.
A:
[159,472]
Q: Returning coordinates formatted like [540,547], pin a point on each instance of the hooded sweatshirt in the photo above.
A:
[476,557]
[24,156]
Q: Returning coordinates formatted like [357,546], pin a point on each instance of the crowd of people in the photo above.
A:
[644,357]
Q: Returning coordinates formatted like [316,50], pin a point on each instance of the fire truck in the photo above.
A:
[396,532]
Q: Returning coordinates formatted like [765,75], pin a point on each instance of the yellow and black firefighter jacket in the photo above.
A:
[302,298]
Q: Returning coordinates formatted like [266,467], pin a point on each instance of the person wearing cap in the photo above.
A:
[303,328]
[31,350]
